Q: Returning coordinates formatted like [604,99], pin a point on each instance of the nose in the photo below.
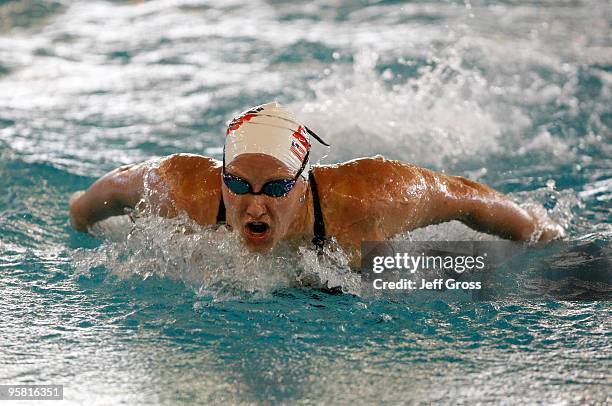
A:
[255,207]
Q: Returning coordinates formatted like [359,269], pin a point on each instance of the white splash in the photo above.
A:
[211,260]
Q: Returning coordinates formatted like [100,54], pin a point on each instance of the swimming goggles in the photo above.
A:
[273,188]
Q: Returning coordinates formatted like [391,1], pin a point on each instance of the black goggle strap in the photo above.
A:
[316,137]
[223,170]
[304,162]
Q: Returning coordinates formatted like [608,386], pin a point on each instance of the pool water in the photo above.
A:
[514,94]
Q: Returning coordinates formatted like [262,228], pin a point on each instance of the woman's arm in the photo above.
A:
[177,183]
[484,209]
[108,196]
[383,198]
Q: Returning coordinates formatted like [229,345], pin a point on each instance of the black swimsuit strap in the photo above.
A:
[221,212]
[319,224]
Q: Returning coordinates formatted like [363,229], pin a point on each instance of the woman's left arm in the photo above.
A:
[484,209]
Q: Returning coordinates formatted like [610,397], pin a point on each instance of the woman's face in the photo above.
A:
[261,220]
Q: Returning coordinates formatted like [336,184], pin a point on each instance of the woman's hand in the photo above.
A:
[108,196]
[545,229]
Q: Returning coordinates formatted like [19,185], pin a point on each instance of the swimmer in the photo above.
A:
[266,191]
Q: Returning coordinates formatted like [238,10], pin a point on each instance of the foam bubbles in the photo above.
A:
[211,260]
[427,120]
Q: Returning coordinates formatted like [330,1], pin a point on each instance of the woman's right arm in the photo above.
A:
[108,196]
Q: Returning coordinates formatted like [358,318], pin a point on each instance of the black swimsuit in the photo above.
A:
[319,224]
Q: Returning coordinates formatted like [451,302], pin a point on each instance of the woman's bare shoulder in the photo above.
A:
[361,196]
[368,176]
[187,164]
[189,183]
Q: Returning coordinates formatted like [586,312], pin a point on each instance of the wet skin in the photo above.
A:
[362,199]
[261,220]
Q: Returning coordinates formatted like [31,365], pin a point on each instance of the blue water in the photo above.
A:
[514,94]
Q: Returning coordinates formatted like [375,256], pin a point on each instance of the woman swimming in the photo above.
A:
[265,190]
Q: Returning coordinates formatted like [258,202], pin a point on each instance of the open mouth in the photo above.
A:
[257,230]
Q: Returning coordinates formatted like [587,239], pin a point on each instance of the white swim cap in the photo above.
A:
[269,129]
